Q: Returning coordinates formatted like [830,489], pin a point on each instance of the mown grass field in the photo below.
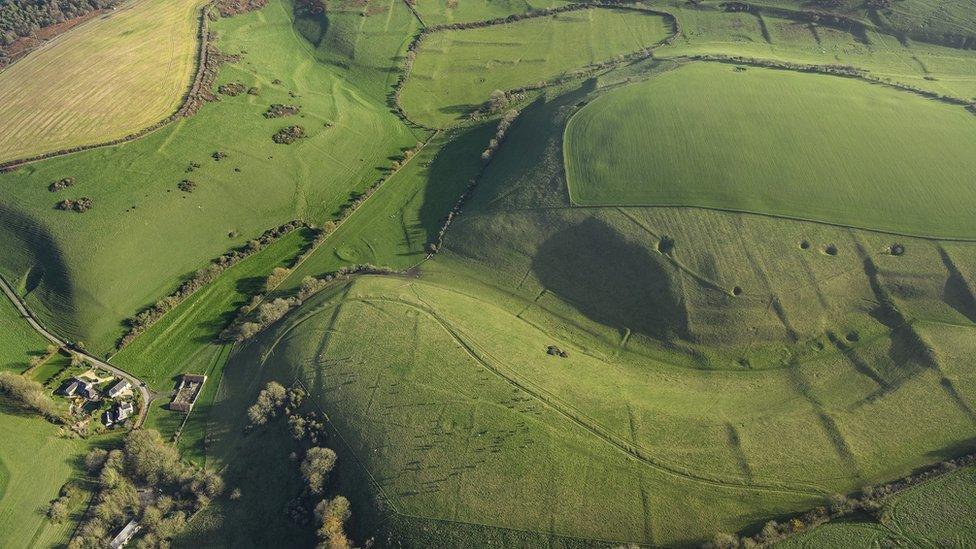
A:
[856,154]
[106,79]
[84,273]
[456,70]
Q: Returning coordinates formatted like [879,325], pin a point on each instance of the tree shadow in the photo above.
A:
[612,281]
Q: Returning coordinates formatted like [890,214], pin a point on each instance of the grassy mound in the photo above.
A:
[110,77]
[853,154]
[451,400]
[456,70]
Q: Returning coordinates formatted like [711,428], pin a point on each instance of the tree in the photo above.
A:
[316,466]
[269,403]
[332,516]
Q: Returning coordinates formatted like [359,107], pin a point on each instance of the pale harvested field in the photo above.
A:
[106,79]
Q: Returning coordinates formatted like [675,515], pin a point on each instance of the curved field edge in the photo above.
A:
[449,58]
[849,157]
[113,96]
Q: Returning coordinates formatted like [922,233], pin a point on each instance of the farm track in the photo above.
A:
[567,411]
[147,396]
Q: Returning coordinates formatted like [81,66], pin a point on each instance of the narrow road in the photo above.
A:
[137,383]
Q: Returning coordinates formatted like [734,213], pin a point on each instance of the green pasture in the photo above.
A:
[84,273]
[18,341]
[456,70]
[774,35]
[185,341]
[34,463]
[855,154]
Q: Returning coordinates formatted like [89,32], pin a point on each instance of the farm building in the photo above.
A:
[125,534]
[120,413]
[119,388]
[77,387]
[69,388]
[187,392]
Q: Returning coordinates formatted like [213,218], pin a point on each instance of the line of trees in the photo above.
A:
[147,317]
[29,396]
[869,500]
[837,70]
[253,318]
[489,153]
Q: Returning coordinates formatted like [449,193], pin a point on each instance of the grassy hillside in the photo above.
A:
[709,29]
[104,80]
[855,154]
[84,273]
[456,70]
[450,399]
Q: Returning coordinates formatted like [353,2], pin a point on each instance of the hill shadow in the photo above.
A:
[612,281]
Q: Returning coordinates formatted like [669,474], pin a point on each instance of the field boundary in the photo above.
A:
[643,53]
[826,70]
[189,104]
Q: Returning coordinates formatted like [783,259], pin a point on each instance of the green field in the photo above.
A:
[856,154]
[106,79]
[84,273]
[34,463]
[763,281]
[456,70]
[18,341]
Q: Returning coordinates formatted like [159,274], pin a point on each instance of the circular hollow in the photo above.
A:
[896,249]
[737,291]
[830,249]
[852,336]
[804,245]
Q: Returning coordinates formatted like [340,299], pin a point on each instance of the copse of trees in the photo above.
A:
[275,401]
[145,462]
[256,316]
